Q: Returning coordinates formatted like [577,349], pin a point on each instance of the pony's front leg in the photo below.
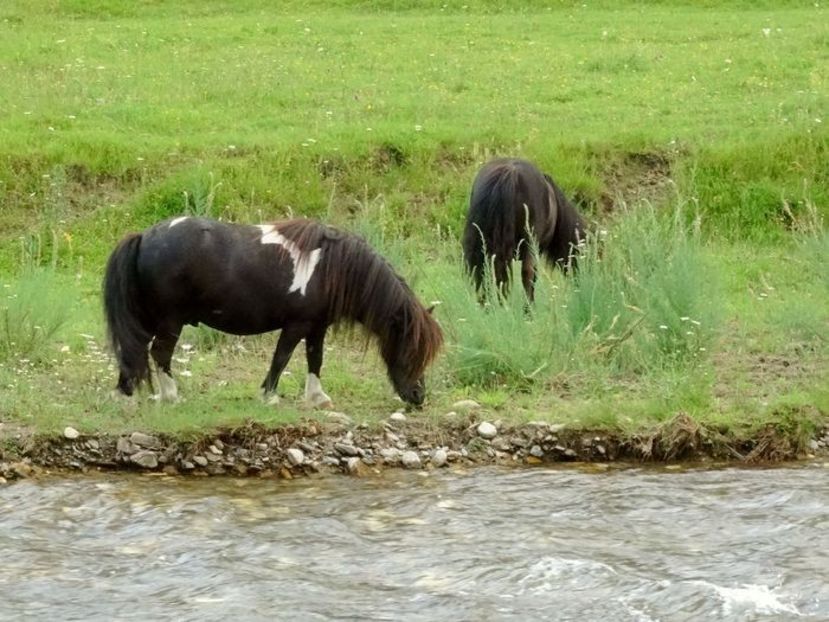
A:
[288,340]
[528,273]
[315,397]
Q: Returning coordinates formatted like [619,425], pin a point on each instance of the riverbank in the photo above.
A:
[334,444]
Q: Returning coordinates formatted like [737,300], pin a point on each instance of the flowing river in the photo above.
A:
[577,543]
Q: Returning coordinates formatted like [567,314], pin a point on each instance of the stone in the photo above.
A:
[330,461]
[187,465]
[536,451]
[813,445]
[211,457]
[466,405]
[600,448]
[145,458]
[346,450]
[262,446]
[390,454]
[144,440]
[123,446]
[487,430]
[397,417]
[219,444]
[569,453]
[555,428]
[70,433]
[214,450]
[501,444]
[410,460]
[200,460]
[341,418]
[295,456]
[354,465]
[391,437]
[439,458]
[93,444]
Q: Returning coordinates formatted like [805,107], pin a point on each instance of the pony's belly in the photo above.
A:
[239,325]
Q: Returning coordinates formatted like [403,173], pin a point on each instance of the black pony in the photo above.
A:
[512,200]
[297,275]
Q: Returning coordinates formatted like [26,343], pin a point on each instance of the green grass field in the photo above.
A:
[693,133]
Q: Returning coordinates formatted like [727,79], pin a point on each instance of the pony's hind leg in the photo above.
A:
[288,340]
[315,397]
[162,353]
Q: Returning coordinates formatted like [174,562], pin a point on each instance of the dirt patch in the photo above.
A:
[635,177]
[338,446]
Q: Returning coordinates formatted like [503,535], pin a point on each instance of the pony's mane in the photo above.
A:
[361,286]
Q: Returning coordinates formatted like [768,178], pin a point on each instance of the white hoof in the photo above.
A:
[169,391]
[315,397]
[271,399]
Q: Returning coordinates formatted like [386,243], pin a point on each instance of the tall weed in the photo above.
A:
[33,311]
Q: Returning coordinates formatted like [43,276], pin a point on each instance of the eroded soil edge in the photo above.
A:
[330,447]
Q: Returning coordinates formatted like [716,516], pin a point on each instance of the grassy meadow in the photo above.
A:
[691,134]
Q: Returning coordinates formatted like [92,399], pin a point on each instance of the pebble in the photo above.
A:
[330,461]
[569,453]
[186,464]
[214,450]
[144,440]
[466,405]
[501,444]
[347,450]
[410,460]
[813,445]
[262,446]
[339,418]
[439,458]
[295,456]
[556,427]
[487,430]
[70,433]
[397,417]
[353,465]
[200,460]
[123,446]
[536,451]
[391,454]
[145,458]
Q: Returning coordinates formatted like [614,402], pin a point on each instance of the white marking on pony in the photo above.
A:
[176,221]
[315,397]
[169,391]
[304,263]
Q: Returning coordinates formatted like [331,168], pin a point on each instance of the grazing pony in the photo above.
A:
[512,200]
[297,275]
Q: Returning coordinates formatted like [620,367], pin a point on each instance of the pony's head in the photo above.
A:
[410,344]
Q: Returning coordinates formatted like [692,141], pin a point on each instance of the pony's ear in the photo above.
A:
[429,310]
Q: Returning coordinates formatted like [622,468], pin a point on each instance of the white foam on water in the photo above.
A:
[758,598]
[546,574]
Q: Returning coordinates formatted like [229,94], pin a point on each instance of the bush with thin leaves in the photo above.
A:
[33,310]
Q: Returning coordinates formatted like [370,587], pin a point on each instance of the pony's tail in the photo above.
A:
[490,228]
[128,334]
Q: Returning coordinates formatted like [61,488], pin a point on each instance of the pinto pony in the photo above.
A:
[297,275]
[511,201]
